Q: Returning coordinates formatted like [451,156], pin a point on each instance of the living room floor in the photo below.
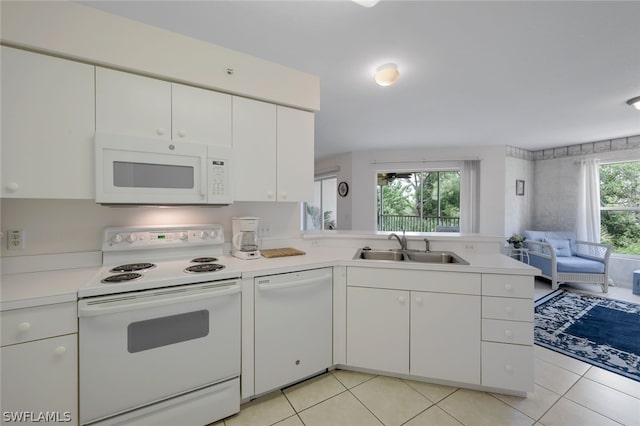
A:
[567,392]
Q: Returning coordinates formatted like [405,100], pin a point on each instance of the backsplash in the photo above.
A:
[65,226]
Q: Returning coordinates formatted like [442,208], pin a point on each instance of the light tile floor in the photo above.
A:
[567,392]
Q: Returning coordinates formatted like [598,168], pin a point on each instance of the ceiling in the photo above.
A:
[528,74]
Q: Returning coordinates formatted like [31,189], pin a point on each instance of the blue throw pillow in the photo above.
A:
[562,247]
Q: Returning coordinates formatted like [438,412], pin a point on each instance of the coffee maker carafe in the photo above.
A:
[245,238]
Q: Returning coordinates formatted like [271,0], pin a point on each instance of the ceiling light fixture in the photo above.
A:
[366,3]
[635,102]
[387,74]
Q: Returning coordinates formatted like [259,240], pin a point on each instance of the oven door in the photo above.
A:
[134,170]
[144,347]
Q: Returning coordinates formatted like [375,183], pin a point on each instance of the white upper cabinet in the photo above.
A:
[132,104]
[273,152]
[295,135]
[47,126]
[201,115]
[254,150]
[142,106]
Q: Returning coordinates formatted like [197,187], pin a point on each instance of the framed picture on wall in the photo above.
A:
[519,187]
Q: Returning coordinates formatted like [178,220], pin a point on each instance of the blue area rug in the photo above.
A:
[599,331]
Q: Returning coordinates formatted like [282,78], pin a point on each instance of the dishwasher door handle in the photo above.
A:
[309,281]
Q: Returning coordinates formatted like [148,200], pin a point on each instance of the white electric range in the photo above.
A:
[159,329]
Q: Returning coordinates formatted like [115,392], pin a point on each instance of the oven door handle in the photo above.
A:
[115,304]
[298,283]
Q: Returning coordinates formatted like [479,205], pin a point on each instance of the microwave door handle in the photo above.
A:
[87,309]
[203,178]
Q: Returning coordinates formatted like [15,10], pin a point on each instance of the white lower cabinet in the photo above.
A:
[378,329]
[40,378]
[293,322]
[474,329]
[445,336]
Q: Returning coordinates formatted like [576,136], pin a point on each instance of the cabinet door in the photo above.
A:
[47,126]
[41,376]
[133,105]
[254,150]
[295,154]
[445,336]
[200,115]
[378,329]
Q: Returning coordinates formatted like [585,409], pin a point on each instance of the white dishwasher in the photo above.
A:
[293,327]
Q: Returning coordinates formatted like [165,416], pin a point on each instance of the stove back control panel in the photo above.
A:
[132,238]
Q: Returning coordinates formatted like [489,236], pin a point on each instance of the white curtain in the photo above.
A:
[588,217]
[469,196]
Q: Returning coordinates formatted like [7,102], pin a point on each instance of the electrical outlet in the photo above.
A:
[16,240]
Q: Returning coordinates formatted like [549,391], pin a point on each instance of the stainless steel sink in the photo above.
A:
[445,257]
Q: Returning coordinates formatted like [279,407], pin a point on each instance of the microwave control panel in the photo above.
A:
[219,181]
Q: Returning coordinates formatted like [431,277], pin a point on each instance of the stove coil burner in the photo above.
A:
[204,259]
[204,267]
[122,277]
[131,267]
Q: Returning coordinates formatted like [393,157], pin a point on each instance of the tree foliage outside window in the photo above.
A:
[620,206]
[421,201]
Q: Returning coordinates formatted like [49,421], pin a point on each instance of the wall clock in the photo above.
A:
[343,189]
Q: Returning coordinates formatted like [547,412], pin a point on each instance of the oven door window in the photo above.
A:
[163,331]
[145,175]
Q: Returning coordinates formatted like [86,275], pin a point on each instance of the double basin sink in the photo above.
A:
[408,255]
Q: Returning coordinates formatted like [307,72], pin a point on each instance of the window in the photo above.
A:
[620,206]
[321,213]
[419,201]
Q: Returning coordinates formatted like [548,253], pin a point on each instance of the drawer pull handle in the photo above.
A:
[508,333]
[508,368]
[60,350]
[160,131]
[182,133]
[419,300]
[508,309]
[24,326]
[401,299]
[508,287]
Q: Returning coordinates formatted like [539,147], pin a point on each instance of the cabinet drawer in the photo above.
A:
[507,366]
[507,309]
[517,332]
[507,285]
[39,322]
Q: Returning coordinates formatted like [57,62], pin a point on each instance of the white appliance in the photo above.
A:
[138,170]
[293,335]
[159,329]
[245,237]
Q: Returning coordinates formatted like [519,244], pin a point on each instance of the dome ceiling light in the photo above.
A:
[366,3]
[634,102]
[387,74]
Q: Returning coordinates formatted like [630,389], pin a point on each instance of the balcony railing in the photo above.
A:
[390,222]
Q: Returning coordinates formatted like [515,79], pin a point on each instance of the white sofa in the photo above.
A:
[562,258]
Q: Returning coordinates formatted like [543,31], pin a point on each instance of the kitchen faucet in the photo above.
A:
[402,241]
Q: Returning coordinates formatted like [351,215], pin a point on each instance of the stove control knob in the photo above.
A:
[183,236]
[130,238]
[213,234]
[116,239]
[203,235]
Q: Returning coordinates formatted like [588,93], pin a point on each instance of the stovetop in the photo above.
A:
[143,258]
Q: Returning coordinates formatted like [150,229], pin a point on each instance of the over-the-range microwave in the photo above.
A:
[137,170]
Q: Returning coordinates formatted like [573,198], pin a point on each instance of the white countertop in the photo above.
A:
[20,290]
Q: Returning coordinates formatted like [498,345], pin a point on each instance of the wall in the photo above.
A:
[79,32]
[518,208]
[62,226]
[360,205]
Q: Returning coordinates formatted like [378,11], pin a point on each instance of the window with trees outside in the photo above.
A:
[321,213]
[620,206]
[419,201]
